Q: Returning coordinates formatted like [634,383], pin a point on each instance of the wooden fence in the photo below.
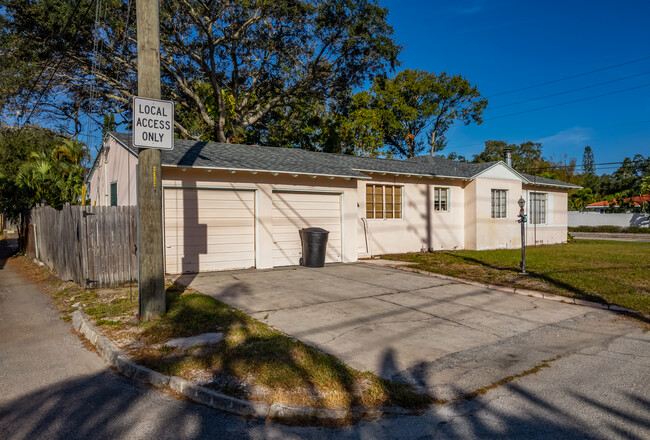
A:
[94,246]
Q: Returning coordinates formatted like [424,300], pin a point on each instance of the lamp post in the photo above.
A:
[522,219]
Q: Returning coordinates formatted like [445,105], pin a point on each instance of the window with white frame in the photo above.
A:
[441,199]
[499,203]
[537,208]
[383,201]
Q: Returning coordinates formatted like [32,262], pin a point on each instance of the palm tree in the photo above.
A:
[582,198]
[55,178]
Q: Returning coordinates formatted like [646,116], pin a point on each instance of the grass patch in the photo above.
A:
[611,229]
[253,361]
[505,380]
[611,272]
[121,306]
[107,322]
[269,364]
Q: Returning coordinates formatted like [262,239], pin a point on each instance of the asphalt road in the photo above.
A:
[51,387]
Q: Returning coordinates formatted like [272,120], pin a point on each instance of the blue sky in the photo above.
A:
[502,45]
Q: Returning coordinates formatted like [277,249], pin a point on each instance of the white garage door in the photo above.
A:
[209,230]
[293,211]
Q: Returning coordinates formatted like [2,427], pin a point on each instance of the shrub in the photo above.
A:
[611,229]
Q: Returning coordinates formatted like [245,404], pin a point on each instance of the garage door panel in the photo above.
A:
[315,205]
[295,211]
[290,236]
[173,223]
[283,225]
[209,230]
[212,249]
[211,213]
[173,240]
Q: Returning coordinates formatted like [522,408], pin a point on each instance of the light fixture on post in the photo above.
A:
[522,219]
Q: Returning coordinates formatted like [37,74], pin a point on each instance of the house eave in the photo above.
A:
[252,170]
[550,185]
[394,173]
[129,149]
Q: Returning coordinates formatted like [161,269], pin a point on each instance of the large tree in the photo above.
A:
[228,64]
[526,157]
[415,101]
[588,166]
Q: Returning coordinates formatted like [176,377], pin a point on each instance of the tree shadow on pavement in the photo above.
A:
[8,247]
[106,405]
[513,411]
[109,406]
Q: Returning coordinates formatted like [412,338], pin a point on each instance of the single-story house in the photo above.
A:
[230,206]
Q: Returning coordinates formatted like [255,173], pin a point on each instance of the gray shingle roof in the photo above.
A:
[198,154]
[548,182]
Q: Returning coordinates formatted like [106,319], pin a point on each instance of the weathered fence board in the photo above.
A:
[94,246]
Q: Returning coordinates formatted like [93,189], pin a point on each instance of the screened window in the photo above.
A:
[499,203]
[441,199]
[383,201]
[114,194]
[537,208]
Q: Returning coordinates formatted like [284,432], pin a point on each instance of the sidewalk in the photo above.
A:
[610,236]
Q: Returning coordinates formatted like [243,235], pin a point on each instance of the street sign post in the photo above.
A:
[153,123]
[154,117]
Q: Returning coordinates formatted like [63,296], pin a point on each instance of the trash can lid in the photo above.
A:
[315,230]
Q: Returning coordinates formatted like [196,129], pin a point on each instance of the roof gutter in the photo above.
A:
[393,173]
[252,170]
[567,186]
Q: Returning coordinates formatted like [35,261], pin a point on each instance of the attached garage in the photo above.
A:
[293,211]
[209,229]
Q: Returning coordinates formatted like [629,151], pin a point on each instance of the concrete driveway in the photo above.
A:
[447,337]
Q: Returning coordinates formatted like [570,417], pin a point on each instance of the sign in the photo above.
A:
[153,123]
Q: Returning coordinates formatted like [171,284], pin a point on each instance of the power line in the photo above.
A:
[569,102]
[38,101]
[31,90]
[569,91]
[569,77]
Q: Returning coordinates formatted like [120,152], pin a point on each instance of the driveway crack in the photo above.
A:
[453,321]
[343,300]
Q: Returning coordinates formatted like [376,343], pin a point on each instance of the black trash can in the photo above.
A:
[314,245]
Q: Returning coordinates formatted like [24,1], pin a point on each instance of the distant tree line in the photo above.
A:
[631,178]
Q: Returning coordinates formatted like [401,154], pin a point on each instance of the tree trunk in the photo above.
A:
[433,141]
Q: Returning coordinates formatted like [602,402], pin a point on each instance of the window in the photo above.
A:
[441,199]
[537,208]
[499,203]
[383,201]
[114,194]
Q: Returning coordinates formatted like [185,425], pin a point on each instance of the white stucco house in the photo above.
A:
[230,206]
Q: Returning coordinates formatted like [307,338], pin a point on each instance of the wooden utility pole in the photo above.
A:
[151,279]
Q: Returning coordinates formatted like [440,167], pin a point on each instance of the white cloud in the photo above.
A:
[474,7]
[569,138]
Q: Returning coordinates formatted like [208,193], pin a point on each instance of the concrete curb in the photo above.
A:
[214,399]
[526,292]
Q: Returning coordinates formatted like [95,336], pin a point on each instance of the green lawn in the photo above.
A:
[611,272]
